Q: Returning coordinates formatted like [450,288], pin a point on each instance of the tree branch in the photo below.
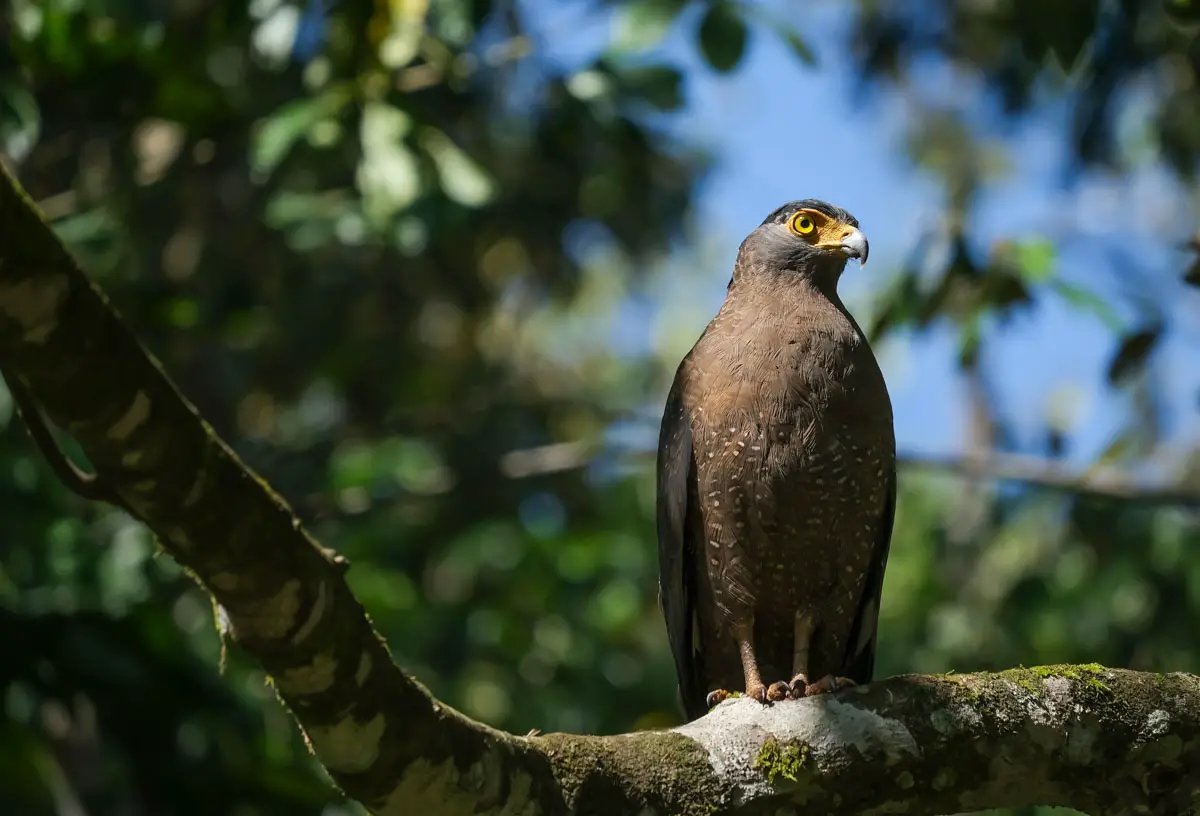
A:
[1050,475]
[1099,740]
[1034,471]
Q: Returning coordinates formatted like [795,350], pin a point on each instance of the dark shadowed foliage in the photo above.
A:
[381,247]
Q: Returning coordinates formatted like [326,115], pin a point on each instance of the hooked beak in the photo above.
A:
[855,245]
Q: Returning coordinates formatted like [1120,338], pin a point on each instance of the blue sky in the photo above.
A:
[781,131]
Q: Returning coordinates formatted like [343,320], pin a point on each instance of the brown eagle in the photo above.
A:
[776,476]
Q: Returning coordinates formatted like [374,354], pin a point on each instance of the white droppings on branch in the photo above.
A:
[314,678]
[33,304]
[314,616]
[132,419]
[348,746]
[734,732]
[862,728]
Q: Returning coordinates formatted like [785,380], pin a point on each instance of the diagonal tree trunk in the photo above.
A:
[1100,740]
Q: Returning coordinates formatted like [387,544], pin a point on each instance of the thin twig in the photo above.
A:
[1034,471]
[1049,475]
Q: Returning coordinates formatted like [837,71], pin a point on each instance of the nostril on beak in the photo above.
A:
[855,246]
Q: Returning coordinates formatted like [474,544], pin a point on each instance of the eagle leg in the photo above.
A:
[745,639]
[802,634]
[744,633]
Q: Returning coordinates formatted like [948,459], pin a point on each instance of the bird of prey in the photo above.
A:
[776,476]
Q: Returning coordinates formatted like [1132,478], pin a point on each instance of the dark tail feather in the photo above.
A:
[691,688]
[862,666]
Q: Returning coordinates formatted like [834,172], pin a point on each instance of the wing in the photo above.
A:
[677,586]
[859,663]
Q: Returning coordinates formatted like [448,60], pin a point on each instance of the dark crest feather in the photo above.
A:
[783,213]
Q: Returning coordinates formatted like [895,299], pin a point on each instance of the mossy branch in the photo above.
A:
[1103,741]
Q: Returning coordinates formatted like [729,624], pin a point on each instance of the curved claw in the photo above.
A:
[829,685]
[778,691]
[716,697]
[759,693]
[798,687]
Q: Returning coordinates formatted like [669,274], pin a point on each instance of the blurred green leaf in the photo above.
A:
[723,36]
[414,464]
[660,85]
[1036,259]
[81,227]
[781,24]
[799,46]
[56,35]
[352,465]
[969,338]
[20,120]
[1183,11]
[462,179]
[1133,351]
[279,132]
[389,173]
[899,306]
[183,313]
[1114,451]
[1088,301]
[642,23]
[1060,27]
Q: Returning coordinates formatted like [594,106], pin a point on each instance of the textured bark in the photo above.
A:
[1103,741]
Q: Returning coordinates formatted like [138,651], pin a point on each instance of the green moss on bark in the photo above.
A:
[1086,678]
[782,760]
[641,773]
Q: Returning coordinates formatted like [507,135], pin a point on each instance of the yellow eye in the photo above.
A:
[803,224]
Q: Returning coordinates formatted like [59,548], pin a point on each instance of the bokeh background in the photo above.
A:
[429,265]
